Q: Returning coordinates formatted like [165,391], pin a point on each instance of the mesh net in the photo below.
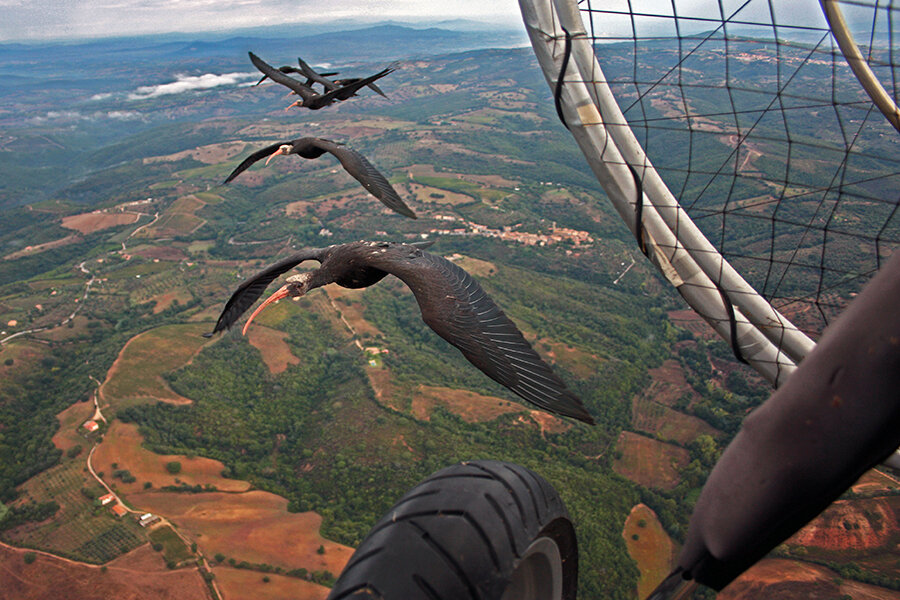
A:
[751,115]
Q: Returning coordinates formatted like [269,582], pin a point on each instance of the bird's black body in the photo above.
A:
[353,162]
[309,97]
[452,303]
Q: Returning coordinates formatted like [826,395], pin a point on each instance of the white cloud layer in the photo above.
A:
[188,83]
[74,115]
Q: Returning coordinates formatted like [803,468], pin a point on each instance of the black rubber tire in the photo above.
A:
[472,531]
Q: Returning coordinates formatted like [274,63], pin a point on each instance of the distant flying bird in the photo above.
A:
[352,161]
[328,84]
[452,303]
[289,69]
[309,98]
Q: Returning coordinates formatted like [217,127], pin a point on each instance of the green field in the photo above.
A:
[174,550]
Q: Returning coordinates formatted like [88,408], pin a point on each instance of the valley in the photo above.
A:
[268,457]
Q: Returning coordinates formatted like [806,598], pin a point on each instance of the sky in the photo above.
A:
[61,19]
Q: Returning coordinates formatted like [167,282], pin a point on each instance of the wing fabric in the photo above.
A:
[469,319]
[251,289]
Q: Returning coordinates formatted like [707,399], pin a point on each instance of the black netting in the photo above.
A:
[752,117]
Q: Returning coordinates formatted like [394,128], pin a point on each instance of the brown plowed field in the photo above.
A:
[475,266]
[122,445]
[426,194]
[861,524]
[164,301]
[138,575]
[95,221]
[653,550]
[271,345]
[212,154]
[668,384]
[577,361]
[243,584]
[471,407]
[655,418]
[649,462]
[253,526]
[875,481]
[793,580]
[352,312]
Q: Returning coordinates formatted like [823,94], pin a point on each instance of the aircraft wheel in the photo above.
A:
[483,529]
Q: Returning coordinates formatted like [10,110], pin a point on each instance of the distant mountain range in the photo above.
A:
[386,40]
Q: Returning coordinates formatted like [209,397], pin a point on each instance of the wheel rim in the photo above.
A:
[538,576]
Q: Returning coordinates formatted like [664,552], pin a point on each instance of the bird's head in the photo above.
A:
[283,149]
[295,286]
[298,103]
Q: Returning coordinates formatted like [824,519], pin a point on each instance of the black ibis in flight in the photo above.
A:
[309,98]
[352,161]
[452,303]
[289,69]
[328,84]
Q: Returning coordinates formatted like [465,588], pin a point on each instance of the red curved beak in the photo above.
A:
[281,293]
[278,152]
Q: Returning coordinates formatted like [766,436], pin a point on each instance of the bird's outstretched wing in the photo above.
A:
[250,290]
[313,76]
[370,177]
[458,309]
[346,91]
[277,76]
[258,155]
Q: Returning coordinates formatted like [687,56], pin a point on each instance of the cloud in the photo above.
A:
[188,83]
[74,115]
[43,19]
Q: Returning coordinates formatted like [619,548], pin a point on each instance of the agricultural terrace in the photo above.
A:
[136,375]
[81,529]
[253,526]
[649,462]
[177,219]
[121,450]
[652,417]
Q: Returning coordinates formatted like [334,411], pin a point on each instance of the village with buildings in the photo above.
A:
[557,235]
